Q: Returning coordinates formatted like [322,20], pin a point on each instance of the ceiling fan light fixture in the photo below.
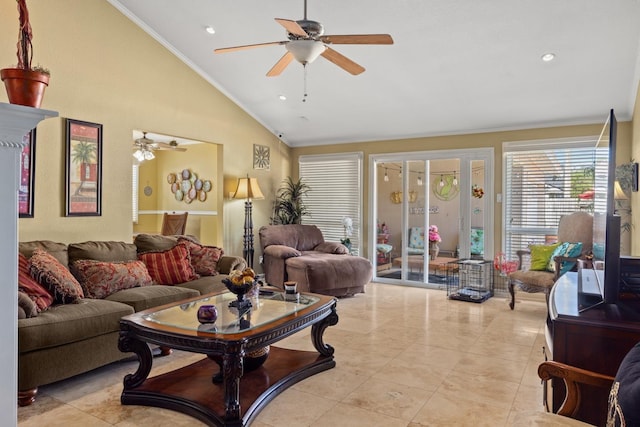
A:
[305,51]
[139,155]
[148,155]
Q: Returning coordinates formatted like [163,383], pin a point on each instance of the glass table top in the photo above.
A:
[265,309]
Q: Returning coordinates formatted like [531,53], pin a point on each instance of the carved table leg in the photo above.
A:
[142,350]
[513,295]
[317,330]
[232,365]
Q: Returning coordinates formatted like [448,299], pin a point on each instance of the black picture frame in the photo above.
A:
[26,189]
[83,168]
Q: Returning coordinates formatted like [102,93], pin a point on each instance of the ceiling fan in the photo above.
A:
[307,41]
[145,147]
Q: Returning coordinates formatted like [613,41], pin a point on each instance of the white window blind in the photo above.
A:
[335,184]
[544,181]
[134,193]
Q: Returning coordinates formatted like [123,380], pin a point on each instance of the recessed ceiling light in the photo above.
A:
[282,98]
[209,29]
[548,57]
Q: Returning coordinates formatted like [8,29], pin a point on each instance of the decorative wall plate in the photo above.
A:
[445,192]
[174,187]
[148,191]
[192,193]
[171,178]
[198,184]
[206,186]
[179,195]
[202,196]
[185,186]
[186,173]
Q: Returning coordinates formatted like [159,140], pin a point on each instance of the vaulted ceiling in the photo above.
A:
[457,66]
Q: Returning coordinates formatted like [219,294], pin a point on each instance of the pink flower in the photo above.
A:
[434,236]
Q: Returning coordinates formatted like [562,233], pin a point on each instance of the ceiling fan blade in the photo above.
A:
[292,26]
[167,146]
[342,61]
[248,46]
[358,39]
[280,65]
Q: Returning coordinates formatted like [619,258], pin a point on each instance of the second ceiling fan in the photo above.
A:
[307,41]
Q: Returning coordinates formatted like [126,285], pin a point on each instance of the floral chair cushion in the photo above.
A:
[416,238]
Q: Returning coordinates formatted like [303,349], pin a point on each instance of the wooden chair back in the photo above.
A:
[174,224]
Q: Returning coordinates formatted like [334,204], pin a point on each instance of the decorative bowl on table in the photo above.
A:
[240,282]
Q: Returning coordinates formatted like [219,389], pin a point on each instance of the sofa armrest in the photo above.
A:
[332,248]
[227,263]
[281,251]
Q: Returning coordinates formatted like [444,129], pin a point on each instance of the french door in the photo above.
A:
[443,195]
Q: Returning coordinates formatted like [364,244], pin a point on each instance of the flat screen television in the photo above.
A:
[601,284]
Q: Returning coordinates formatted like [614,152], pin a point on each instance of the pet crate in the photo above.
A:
[471,281]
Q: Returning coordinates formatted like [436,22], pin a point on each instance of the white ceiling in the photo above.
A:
[457,66]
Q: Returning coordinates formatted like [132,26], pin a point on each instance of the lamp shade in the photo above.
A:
[305,51]
[248,188]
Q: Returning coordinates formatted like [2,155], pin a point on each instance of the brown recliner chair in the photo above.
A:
[298,253]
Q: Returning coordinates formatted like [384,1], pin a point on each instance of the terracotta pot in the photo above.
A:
[24,87]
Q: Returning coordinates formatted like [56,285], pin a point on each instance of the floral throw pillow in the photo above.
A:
[100,279]
[55,277]
[204,259]
[170,267]
[34,290]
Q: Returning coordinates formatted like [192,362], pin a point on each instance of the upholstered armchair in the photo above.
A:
[299,253]
[573,229]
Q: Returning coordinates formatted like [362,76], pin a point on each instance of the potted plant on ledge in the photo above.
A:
[25,84]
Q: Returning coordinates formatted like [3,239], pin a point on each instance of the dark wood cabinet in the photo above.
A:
[596,339]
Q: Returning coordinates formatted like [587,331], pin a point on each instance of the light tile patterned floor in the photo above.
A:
[406,357]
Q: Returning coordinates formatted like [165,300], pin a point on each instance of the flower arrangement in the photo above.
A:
[347,224]
[434,235]
[477,191]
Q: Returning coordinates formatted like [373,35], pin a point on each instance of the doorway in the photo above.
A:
[430,209]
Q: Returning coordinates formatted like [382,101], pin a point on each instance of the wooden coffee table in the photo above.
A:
[240,396]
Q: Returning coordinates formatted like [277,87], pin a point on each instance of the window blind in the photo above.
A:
[543,182]
[335,184]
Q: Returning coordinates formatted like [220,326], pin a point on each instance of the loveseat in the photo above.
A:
[299,253]
[70,338]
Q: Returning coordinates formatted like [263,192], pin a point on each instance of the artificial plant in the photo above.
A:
[289,207]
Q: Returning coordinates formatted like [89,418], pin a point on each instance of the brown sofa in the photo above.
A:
[69,339]
[299,253]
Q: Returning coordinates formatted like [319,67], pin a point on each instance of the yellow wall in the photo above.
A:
[105,69]
[479,140]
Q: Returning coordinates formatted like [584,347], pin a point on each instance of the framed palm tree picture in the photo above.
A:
[83,172]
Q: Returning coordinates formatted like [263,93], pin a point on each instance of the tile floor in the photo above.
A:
[406,357]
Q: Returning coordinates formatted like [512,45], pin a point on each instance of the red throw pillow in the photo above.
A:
[29,286]
[170,267]
[100,279]
[48,271]
[204,259]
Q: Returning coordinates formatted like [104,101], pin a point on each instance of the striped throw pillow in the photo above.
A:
[170,267]
[29,286]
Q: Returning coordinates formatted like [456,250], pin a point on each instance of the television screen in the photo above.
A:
[603,281]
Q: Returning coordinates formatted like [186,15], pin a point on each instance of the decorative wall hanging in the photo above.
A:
[27,175]
[83,172]
[261,157]
[187,186]
[477,191]
[445,187]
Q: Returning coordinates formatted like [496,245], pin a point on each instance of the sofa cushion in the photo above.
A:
[100,279]
[332,248]
[204,259]
[151,296]
[26,307]
[169,267]
[107,251]
[206,284]
[34,290]
[68,323]
[58,250]
[154,242]
[55,277]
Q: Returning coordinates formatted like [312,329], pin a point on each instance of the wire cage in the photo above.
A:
[471,281]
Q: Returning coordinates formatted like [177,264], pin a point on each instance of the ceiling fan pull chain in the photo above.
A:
[304,97]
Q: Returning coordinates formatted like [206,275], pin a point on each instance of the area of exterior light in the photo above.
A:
[548,57]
